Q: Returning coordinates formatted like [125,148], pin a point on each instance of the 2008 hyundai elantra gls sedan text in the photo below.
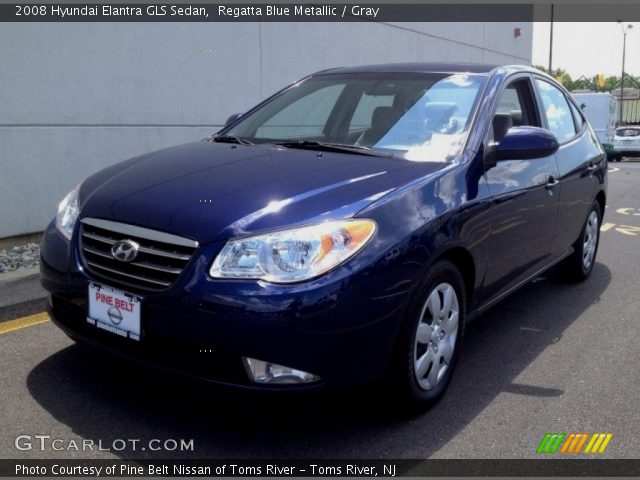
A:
[340,233]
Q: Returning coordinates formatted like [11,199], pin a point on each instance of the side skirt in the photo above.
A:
[501,296]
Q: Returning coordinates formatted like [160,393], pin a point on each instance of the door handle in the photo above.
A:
[592,169]
[552,182]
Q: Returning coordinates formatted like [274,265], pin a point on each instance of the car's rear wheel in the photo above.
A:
[429,341]
[579,265]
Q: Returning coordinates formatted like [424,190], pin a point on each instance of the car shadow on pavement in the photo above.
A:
[101,397]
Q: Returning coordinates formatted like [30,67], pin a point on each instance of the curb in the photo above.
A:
[19,286]
[8,242]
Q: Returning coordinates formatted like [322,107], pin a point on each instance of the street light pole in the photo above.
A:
[551,42]
[624,48]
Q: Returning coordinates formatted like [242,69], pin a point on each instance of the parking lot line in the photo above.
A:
[24,322]
[607,226]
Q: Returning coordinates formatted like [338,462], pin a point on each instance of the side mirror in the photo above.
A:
[232,119]
[526,143]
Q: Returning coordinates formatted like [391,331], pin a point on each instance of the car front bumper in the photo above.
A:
[337,327]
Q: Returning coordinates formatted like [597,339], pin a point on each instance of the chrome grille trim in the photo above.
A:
[161,256]
[134,231]
[152,251]
[111,270]
[151,266]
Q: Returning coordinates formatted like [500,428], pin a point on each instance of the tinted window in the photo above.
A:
[420,117]
[509,101]
[557,111]
[362,117]
[305,117]
[627,132]
[577,116]
[515,108]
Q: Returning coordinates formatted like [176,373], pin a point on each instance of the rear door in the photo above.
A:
[524,205]
[577,158]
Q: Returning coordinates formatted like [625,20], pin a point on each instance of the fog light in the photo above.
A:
[266,372]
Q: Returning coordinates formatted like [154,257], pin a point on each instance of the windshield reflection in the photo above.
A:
[417,117]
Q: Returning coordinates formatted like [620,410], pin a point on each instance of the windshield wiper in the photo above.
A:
[230,139]
[332,147]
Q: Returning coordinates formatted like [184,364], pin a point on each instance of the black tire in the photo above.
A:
[574,267]
[406,387]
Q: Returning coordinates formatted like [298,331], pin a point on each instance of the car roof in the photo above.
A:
[477,68]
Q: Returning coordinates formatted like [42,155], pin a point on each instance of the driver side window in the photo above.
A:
[515,108]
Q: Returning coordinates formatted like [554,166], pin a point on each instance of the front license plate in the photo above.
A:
[114,311]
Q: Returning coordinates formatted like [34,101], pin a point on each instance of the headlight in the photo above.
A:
[68,212]
[293,255]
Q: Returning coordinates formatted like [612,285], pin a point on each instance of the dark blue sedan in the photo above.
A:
[342,232]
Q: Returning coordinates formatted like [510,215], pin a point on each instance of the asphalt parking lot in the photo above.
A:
[554,357]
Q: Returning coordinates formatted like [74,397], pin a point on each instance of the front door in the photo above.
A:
[525,197]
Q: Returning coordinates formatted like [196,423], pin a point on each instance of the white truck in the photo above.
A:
[601,110]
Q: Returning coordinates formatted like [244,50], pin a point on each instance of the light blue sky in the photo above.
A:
[587,48]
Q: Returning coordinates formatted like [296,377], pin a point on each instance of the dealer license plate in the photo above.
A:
[115,311]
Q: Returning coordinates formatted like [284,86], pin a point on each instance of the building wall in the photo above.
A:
[77,97]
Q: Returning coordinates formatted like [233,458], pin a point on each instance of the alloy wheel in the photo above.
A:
[436,336]
[590,240]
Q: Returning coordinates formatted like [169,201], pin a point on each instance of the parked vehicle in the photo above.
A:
[626,142]
[601,110]
[342,232]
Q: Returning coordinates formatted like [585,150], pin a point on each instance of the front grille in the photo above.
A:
[160,261]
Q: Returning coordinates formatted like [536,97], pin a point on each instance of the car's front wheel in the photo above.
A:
[429,341]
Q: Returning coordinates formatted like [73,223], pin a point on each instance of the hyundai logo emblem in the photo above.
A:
[125,250]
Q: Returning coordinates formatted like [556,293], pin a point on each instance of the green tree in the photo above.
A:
[559,74]
[611,83]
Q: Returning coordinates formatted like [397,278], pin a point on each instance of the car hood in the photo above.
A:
[213,191]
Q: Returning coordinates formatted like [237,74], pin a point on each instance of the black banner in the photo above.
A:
[542,467]
[260,12]
[304,12]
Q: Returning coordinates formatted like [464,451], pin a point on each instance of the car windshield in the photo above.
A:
[419,117]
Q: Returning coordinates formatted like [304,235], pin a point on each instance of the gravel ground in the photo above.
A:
[21,256]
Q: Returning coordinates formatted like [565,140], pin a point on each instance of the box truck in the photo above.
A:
[601,109]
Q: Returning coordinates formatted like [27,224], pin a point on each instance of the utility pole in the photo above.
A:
[625,29]
[551,42]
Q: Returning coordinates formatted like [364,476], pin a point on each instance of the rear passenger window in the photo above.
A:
[577,117]
[557,111]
